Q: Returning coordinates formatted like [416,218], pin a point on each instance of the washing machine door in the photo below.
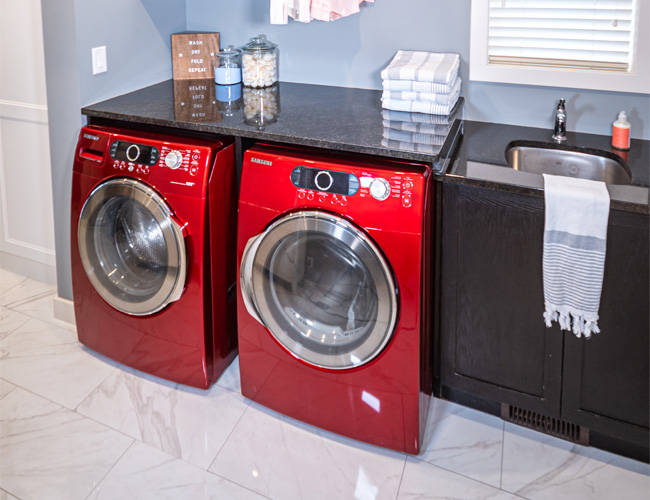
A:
[131,248]
[322,288]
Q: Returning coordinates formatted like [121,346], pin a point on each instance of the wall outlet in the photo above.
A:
[99,60]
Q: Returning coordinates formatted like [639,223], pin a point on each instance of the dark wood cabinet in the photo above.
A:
[606,379]
[493,337]
[493,343]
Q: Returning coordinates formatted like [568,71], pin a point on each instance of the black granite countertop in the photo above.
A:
[338,118]
[481,161]
[352,120]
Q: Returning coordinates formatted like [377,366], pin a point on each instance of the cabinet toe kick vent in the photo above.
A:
[547,425]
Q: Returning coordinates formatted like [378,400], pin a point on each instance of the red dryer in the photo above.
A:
[334,291]
[153,230]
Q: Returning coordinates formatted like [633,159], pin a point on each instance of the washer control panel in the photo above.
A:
[327,181]
[140,158]
[131,152]
[331,186]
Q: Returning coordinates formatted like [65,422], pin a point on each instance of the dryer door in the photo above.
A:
[322,288]
[131,248]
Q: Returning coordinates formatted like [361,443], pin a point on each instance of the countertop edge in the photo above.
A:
[265,136]
[448,178]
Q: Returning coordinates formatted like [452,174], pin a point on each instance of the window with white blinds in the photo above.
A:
[592,34]
[585,44]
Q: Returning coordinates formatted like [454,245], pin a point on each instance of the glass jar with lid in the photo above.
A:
[229,98]
[260,62]
[227,70]
[261,106]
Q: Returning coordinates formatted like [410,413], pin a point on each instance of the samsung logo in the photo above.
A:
[263,162]
[91,137]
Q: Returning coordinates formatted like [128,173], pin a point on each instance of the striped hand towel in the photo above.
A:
[418,106]
[413,86]
[575,238]
[411,146]
[422,67]
[407,116]
[438,98]
[416,127]
[414,137]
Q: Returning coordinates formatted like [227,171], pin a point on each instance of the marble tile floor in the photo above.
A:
[75,425]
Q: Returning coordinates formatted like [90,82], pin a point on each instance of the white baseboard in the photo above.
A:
[28,267]
[64,310]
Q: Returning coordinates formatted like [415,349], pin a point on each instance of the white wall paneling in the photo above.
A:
[26,219]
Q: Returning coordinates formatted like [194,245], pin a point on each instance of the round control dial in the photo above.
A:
[174,159]
[132,152]
[323,180]
[379,189]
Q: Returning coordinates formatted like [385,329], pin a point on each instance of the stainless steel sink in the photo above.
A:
[547,158]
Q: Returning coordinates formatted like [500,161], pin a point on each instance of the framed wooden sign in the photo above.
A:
[195,101]
[193,55]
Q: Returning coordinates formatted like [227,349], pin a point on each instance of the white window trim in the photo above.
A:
[636,81]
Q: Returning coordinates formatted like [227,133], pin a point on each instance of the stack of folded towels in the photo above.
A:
[421,90]
[420,132]
[421,82]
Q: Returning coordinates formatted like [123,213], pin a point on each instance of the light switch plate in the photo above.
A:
[99,60]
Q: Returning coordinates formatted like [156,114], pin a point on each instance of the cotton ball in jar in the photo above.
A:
[259,63]
[261,106]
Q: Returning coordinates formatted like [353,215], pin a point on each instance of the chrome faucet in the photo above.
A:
[559,130]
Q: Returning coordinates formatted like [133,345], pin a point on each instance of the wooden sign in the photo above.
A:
[196,101]
[193,55]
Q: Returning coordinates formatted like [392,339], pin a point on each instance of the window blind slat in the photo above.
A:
[568,4]
[563,63]
[567,36]
[599,33]
[533,52]
[581,53]
[578,24]
[604,24]
[559,14]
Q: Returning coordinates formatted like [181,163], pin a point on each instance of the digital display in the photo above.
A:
[329,181]
[134,153]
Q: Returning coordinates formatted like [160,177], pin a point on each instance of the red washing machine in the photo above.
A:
[153,235]
[333,296]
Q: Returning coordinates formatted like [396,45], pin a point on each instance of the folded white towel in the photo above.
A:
[438,98]
[411,146]
[414,137]
[418,128]
[406,117]
[413,86]
[418,106]
[575,240]
[422,67]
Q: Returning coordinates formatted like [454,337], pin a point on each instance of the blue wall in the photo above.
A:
[137,38]
[351,52]
[63,103]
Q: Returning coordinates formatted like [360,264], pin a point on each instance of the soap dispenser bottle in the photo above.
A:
[621,132]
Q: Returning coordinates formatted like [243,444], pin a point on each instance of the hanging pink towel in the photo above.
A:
[329,10]
[320,10]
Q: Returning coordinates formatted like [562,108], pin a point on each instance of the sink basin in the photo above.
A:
[554,159]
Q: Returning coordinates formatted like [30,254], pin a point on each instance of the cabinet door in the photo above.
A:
[606,378]
[494,343]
